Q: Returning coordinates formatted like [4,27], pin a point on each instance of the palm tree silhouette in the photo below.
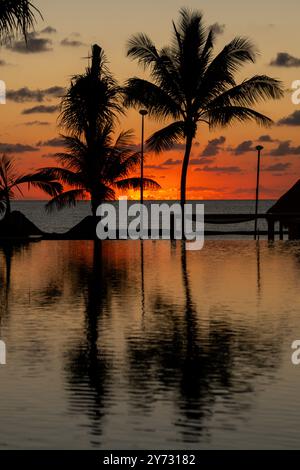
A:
[11,181]
[190,85]
[16,16]
[99,177]
[95,164]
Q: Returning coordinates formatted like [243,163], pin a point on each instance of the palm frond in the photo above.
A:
[226,115]
[250,92]
[41,181]
[16,16]
[159,104]
[135,183]
[166,138]
[63,175]
[65,199]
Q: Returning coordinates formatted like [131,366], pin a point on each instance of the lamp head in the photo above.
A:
[143,112]
[259,148]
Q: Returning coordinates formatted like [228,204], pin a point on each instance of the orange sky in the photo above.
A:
[224,169]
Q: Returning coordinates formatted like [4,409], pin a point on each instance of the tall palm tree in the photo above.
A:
[11,182]
[190,85]
[94,164]
[16,16]
[96,178]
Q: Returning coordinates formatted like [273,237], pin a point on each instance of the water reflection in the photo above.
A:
[199,367]
[174,343]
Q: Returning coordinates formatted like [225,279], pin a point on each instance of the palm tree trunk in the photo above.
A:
[185,164]
[7,207]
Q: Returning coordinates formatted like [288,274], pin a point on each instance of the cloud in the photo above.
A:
[41,110]
[277,167]
[220,169]
[55,142]
[291,120]
[284,149]
[170,161]
[16,148]
[37,123]
[283,59]
[69,42]
[218,28]
[213,147]
[23,95]
[201,161]
[266,138]
[34,44]
[48,30]
[244,147]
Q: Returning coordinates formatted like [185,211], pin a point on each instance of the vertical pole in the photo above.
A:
[259,149]
[271,231]
[143,113]
[280,230]
[142,159]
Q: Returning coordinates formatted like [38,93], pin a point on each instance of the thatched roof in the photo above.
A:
[289,203]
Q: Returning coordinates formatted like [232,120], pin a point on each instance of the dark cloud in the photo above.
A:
[213,147]
[49,30]
[265,139]
[34,44]
[283,59]
[284,149]
[41,110]
[70,42]
[16,148]
[218,28]
[244,147]
[220,169]
[55,142]
[277,167]
[37,123]
[291,120]
[201,161]
[23,95]
[171,162]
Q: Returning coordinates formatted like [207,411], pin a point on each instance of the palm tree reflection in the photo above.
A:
[196,364]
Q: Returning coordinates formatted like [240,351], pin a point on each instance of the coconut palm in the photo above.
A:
[99,177]
[94,165]
[191,85]
[16,16]
[11,183]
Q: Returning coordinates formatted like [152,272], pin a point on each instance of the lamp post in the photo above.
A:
[259,148]
[143,113]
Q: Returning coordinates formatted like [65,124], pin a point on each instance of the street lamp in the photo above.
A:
[259,148]
[143,113]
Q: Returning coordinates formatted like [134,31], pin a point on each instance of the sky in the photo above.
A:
[223,162]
